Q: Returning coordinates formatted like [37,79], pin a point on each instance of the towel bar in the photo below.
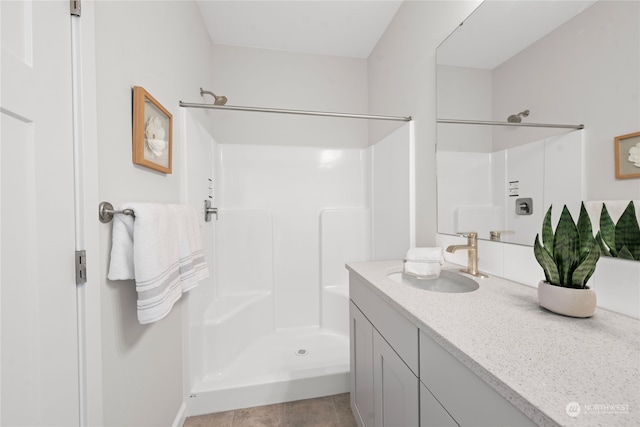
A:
[106,212]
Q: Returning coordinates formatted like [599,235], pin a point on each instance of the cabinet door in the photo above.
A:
[361,347]
[432,414]
[396,388]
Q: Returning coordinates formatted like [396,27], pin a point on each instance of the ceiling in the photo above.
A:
[349,28]
[497,30]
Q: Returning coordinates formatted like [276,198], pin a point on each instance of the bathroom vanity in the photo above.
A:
[487,357]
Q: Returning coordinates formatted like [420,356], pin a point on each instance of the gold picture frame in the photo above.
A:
[152,132]
[627,149]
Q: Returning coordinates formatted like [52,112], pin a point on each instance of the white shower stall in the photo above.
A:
[271,323]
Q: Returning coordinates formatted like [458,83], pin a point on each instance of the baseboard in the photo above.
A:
[181,416]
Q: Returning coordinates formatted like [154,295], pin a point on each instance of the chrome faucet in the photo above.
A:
[472,248]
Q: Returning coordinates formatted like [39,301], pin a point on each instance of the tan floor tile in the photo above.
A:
[329,411]
[260,416]
[342,405]
[311,413]
[220,419]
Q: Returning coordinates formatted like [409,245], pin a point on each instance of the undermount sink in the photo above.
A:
[448,281]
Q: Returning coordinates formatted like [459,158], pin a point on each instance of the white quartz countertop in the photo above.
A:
[540,361]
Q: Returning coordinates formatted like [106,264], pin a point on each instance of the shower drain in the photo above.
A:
[302,352]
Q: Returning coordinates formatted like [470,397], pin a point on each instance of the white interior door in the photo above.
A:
[38,347]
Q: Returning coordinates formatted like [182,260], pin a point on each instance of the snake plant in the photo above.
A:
[568,256]
[621,240]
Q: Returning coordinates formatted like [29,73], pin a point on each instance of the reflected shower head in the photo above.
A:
[517,118]
[218,100]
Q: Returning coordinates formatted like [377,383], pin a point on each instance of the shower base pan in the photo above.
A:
[282,367]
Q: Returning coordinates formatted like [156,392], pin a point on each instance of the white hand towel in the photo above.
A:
[162,250]
[424,262]
[432,254]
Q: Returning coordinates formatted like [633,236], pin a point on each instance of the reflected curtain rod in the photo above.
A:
[533,125]
[299,112]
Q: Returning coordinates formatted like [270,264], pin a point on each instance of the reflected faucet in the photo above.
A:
[472,248]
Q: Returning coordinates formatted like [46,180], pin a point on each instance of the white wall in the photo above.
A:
[275,79]
[164,47]
[393,180]
[401,74]
[587,71]
[464,94]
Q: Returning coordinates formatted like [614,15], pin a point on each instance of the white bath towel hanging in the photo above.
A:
[161,249]
[193,267]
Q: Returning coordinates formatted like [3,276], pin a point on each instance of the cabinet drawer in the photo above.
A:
[399,332]
[467,398]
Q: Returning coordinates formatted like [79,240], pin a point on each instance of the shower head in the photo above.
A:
[218,100]
[517,118]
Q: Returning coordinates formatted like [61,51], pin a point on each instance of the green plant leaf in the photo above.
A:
[566,247]
[583,272]
[546,261]
[547,232]
[608,230]
[604,250]
[625,253]
[585,231]
[627,233]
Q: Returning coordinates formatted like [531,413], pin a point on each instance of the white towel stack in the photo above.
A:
[424,263]
[162,250]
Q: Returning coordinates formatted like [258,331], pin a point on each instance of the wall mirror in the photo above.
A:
[499,180]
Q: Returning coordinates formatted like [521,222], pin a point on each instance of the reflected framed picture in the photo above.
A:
[627,153]
[152,132]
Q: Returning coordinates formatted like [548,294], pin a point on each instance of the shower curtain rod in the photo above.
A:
[299,112]
[533,125]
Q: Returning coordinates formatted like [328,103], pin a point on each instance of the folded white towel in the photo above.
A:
[162,250]
[433,254]
[424,262]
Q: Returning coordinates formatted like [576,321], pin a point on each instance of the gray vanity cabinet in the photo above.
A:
[361,342]
[401,377]
[432,414]
[384,391]
[384,362]
[396,388]
[467,398]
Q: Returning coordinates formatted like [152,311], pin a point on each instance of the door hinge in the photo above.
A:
[81,267]
[75,7]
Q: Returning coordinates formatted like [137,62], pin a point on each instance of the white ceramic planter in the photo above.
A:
[568,301]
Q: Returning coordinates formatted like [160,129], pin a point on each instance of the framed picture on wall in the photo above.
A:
[627,155]
[152,131]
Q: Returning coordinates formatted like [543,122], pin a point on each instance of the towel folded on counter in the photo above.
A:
[424,262]
[161,249]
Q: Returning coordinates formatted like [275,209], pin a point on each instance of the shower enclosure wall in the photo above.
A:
[271,324]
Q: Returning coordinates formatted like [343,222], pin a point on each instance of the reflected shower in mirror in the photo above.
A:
[536,62]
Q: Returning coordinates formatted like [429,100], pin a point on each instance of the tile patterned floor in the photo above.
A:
[329,411]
